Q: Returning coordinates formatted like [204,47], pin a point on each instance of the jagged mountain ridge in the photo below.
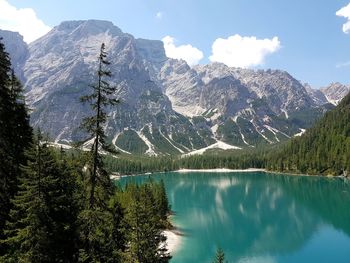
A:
[335,92]
[167,107]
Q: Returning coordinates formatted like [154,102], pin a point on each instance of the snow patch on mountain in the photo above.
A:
[150,146]
[257,130]
[217,145]
[302,131]
[214,129]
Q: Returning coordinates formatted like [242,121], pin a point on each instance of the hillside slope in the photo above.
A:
[323,149]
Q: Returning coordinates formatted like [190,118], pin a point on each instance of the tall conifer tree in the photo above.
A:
[99,99]
[15,135]
[98,224]
[41,227]
[146,234]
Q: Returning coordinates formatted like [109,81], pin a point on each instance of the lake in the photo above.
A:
[258,217]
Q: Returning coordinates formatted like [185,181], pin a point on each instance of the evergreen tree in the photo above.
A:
[41,227]
[161,202]
[15,135]
[146,240]
[5,188]
[98,223]
[100,98]
[220,256]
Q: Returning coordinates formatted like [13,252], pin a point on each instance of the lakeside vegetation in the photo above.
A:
[59,207]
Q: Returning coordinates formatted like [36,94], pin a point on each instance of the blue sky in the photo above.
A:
[304,37]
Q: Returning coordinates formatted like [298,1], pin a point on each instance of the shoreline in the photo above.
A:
[221,170]
[116,176]
[173,240]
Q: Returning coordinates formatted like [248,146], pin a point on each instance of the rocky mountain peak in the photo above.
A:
[88,27]
[17,49]
[335,92]
[316,95]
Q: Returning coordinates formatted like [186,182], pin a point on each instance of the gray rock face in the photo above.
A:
[316,95]
[335,92]
[17,49]
[166,106]
[63,63]
[242,106]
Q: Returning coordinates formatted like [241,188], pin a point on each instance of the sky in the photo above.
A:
[308,38]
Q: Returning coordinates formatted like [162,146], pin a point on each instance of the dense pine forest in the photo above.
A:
[59,207]
[231,159]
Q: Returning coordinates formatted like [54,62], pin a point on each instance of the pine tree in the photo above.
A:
[100,98]
[220,256]
[146,238]
[15,135]
[98,227]
[161,202]
[5,191]
[41,227]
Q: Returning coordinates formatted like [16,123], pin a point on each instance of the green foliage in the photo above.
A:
[98,244]
[157,138]
[235,159]
[15,135]
[230,133]
[323,149]
[130,141]
[98,181]
[146,210]
[220,256]
[41,227]
[250,134]
[58,207]
[305,118]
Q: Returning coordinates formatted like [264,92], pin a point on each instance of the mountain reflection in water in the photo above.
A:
[258,217]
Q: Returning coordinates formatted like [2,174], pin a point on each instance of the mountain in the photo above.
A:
[62,64]
[322,149]
[167,107]
[242,107]
[17,49]
[335,92]
[318,97]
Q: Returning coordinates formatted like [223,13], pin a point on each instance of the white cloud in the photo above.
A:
[245,52]
[345,12]
[22,20]
[159,15]
[188,53]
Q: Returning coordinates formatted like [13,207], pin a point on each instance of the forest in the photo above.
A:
[63,207]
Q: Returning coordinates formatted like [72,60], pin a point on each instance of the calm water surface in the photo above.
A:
[258,217]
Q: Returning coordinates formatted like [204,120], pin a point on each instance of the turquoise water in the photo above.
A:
[258,217]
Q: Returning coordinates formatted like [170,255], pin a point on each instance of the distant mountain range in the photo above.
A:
[167,107]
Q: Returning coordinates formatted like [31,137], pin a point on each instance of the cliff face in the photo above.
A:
[167,107]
